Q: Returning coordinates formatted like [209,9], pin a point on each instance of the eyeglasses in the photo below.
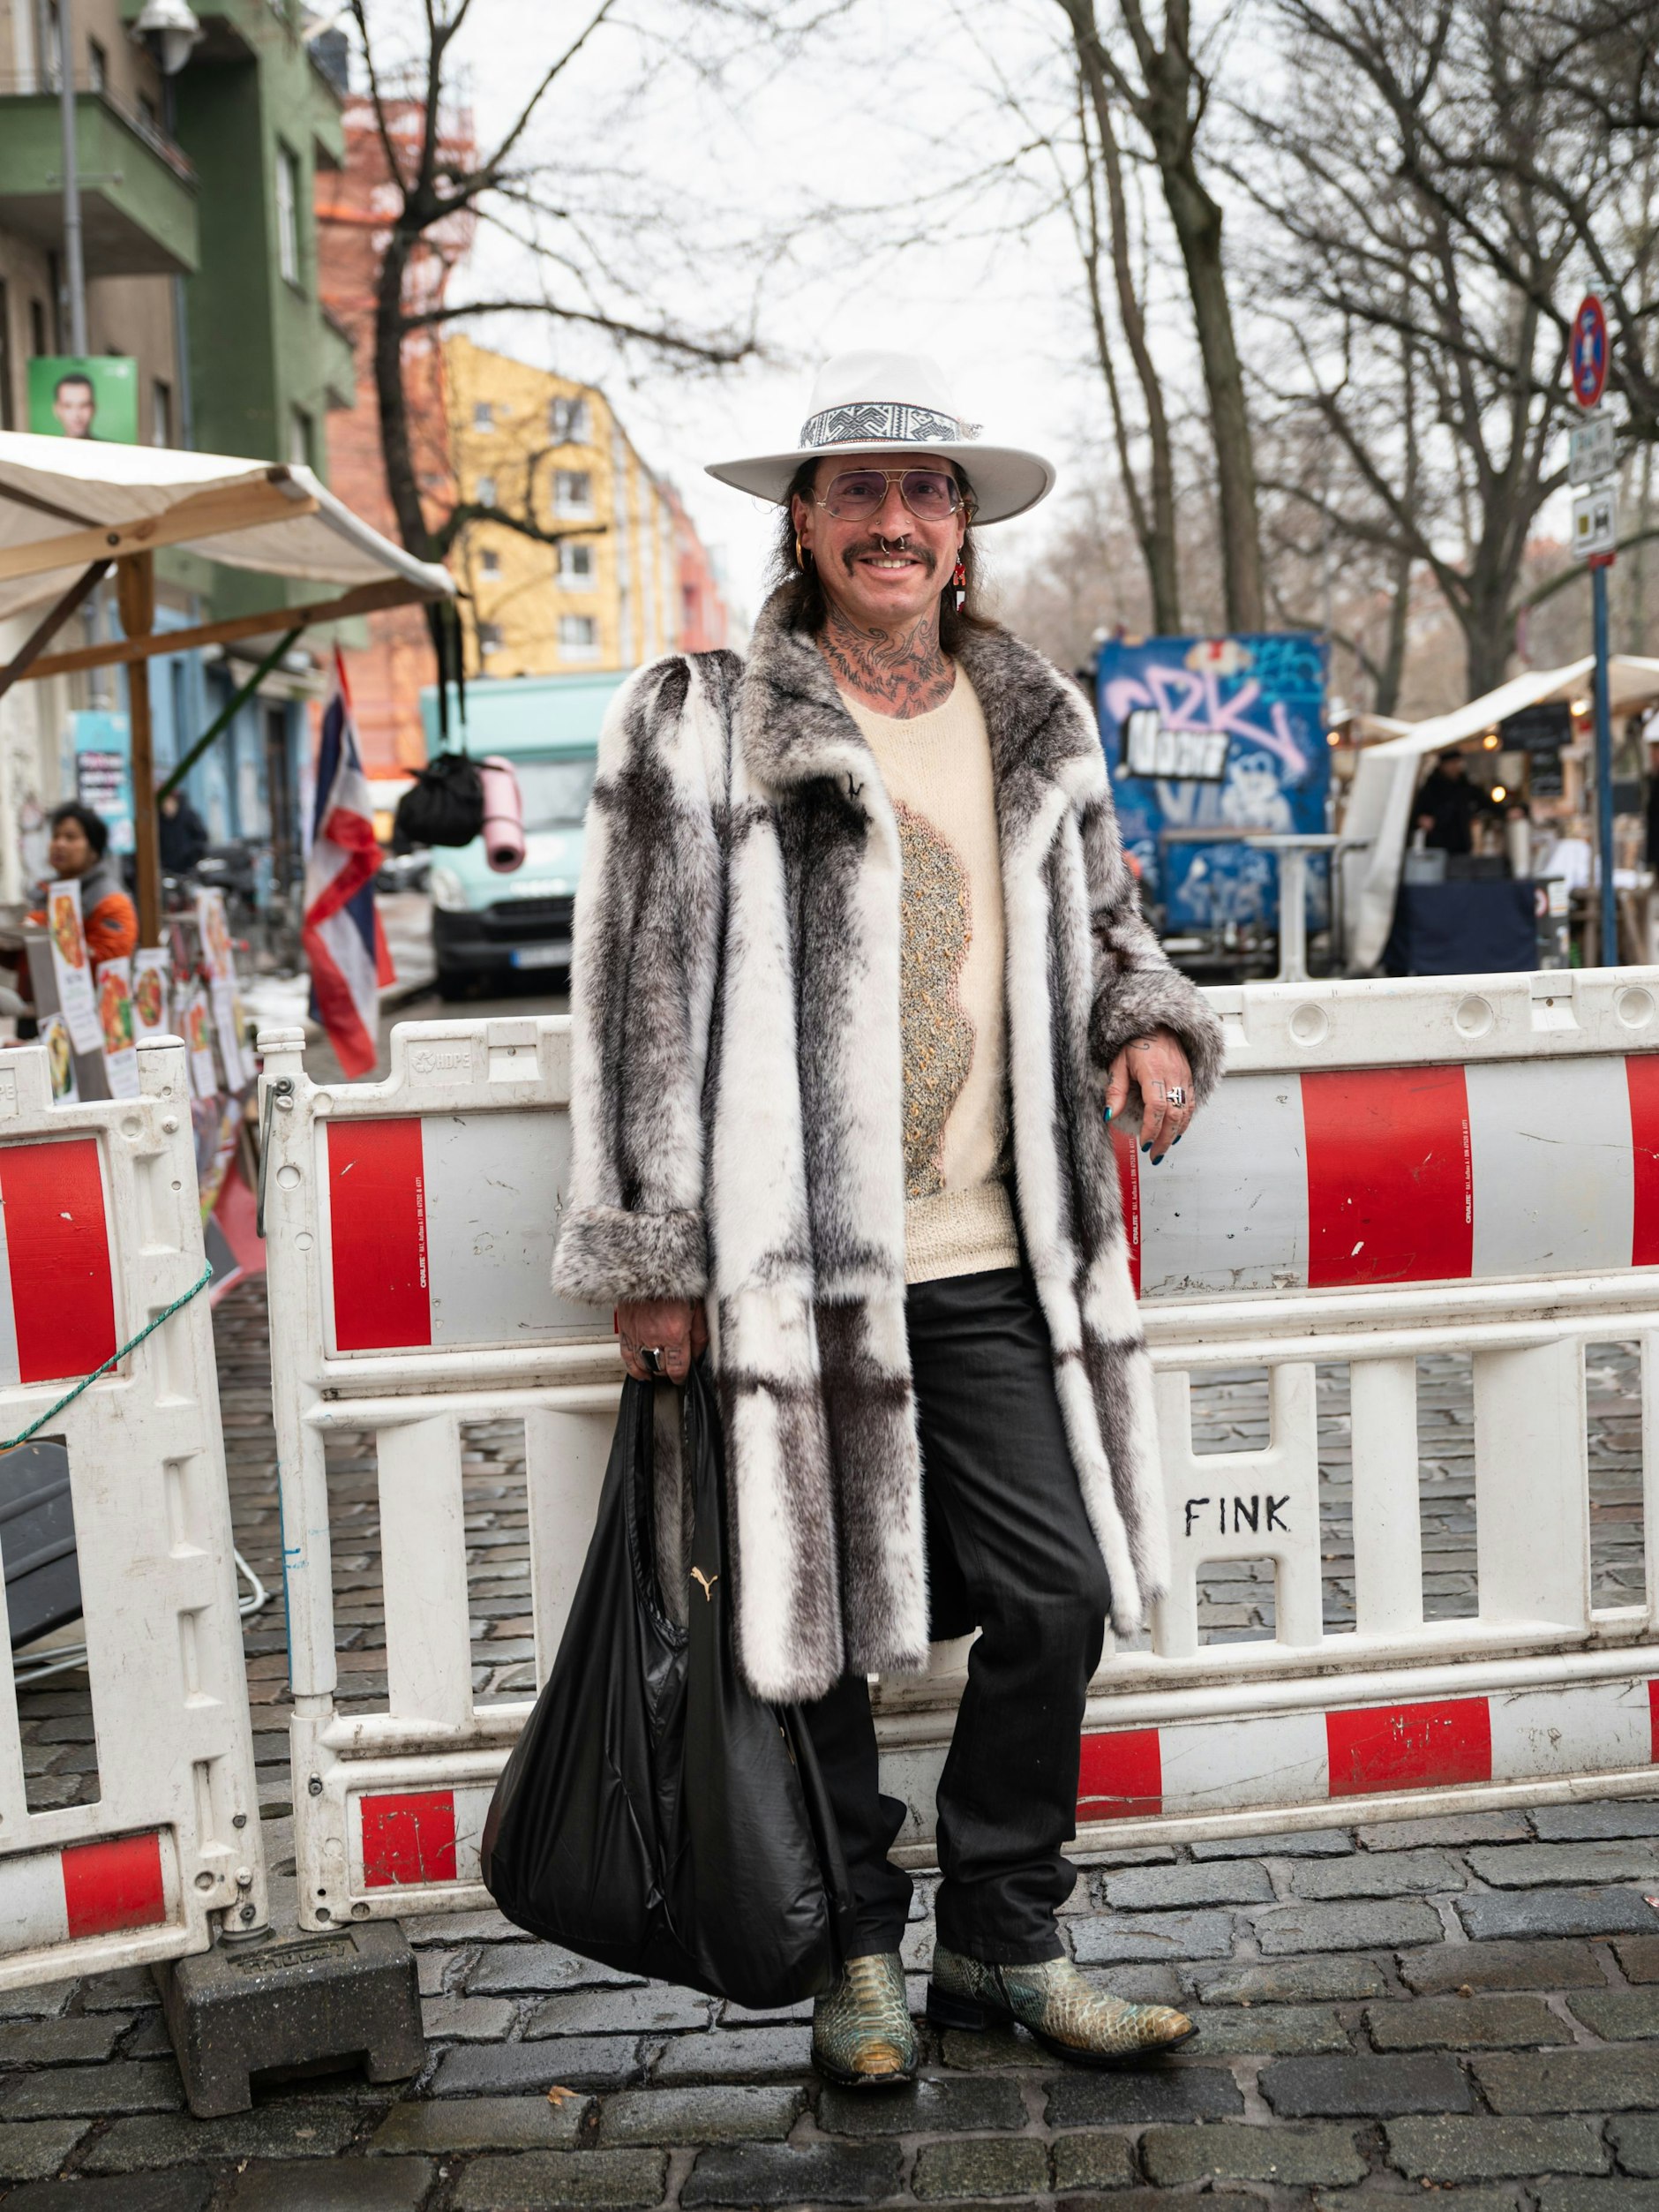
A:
[930,494]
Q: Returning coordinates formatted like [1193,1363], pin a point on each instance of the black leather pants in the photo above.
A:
[1011,1551]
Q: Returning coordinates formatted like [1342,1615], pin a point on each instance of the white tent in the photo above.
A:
[73,508]
[1385,782]
[67,501]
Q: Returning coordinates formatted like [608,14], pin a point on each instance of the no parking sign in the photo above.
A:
[1590,352]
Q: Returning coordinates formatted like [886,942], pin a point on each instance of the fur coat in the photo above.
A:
[736,1101]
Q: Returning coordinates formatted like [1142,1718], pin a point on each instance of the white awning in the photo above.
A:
[68,501]
[1385,782]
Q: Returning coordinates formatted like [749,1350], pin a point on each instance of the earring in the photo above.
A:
[803,553]
[959,585]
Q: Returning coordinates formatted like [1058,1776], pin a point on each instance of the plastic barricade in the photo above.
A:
[1390,1170]
[100,1232]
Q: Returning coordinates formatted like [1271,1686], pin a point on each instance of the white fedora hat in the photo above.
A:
[895,402]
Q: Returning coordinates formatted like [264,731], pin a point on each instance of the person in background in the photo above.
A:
[79,850]
[182,835]
[1653,801]
[1447,805]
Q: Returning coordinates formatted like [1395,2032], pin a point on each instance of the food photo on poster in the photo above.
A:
[60,1059]
[150,969]
[116,1022]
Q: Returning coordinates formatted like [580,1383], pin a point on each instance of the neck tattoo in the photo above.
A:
[902,673]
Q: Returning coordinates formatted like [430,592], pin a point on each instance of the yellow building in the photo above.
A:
[529,442]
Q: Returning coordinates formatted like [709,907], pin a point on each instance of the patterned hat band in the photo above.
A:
[884,421]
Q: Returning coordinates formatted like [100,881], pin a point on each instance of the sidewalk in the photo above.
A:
[1468,2004]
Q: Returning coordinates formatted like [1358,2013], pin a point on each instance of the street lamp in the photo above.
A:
[169,28]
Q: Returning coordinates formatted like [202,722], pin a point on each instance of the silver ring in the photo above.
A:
[1177,1095]
[652,1355]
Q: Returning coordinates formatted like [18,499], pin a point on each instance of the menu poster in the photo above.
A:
[225,1010]
[204,1075]
[149,992]
[217,957]
[71,969]
[115,1021]
[60,1058]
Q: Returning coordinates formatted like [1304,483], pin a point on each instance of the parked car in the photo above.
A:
[488,926]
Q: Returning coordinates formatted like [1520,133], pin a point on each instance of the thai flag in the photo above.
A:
[345,947]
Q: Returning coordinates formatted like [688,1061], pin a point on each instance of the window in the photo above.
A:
[573,492]
[489,563]
[489,639]
[483,414]
[161,413]
[567,422]
[299,437]
[576,564]
[97,65]
[37,328]
[554,794]
[578,636]
[288,212]
[483,490]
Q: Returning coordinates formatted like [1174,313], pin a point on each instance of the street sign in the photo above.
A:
[1590,450]
[1590,352]
[1594,520]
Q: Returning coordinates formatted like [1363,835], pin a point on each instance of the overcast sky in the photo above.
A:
[882,109]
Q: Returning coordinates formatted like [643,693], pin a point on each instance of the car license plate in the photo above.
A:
[541,956]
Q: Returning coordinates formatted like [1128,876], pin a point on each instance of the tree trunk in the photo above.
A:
[1156,529]
[397,454]
[1197,223]
[1391,671]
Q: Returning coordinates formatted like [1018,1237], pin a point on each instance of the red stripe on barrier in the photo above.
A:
[1391,1195]
[1120,1774]
[58,1248]
[377,1205]
[1408,1746]
[1642,1080]
[1128,1189]
[409,1839]
[112,1886]
[1653,1718]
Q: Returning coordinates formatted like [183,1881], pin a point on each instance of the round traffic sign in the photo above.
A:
[1590,352]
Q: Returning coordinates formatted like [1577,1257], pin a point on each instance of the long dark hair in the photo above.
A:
[798,587]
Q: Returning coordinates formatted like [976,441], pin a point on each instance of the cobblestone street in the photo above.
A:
[1468,2005]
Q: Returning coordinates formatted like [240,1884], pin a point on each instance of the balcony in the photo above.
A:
[137,193]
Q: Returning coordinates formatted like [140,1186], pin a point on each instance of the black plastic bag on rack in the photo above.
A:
[655,1814]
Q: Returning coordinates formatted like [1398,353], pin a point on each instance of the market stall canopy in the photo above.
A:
[1385,782]
[67,501]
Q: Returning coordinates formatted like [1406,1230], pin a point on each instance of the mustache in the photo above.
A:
[857,551]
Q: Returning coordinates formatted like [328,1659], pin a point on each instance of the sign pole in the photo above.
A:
[1590,463]
[1603,766]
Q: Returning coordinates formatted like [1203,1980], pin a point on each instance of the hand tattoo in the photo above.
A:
[901,672]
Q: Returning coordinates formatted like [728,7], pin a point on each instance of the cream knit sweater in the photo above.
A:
[937,771]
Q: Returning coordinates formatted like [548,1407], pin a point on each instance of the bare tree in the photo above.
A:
[1410,276]
[1165,92]
[574,265]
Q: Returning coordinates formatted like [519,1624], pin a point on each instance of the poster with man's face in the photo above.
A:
[96,398]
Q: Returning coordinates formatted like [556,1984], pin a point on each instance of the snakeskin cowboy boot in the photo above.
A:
[862,2035]
[1053,2003]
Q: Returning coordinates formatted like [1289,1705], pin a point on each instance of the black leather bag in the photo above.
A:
[655,1814]
[444,805]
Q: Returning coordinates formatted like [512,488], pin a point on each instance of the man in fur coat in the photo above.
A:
[860,979]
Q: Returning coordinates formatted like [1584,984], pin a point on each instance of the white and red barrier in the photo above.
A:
[1389,1169]
[100,1232]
